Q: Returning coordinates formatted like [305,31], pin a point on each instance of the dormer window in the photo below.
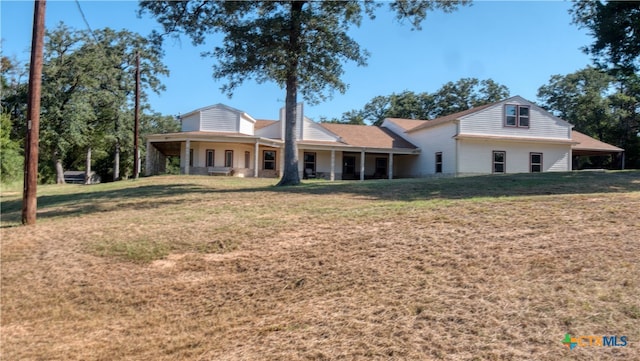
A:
[516,116]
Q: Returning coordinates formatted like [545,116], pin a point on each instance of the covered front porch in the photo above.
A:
[350,163]
[251,156]
[236,155]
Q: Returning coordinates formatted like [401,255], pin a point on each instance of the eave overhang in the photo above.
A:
[511,139]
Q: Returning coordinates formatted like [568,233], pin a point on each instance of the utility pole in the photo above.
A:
[29,193]
[136,150]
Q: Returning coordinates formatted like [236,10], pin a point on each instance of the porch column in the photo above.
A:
[255,160]
[151,154]
[333,165]
[391,165]
[362,165]
[187,146]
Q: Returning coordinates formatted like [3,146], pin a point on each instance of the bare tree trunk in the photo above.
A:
[116,162]
[59,172]
[87,172]
[290,174]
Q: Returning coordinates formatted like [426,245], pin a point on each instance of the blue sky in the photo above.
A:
[519,44]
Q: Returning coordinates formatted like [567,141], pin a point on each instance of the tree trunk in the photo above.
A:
[290,174]
[87,172]
[116,162]
[59,172]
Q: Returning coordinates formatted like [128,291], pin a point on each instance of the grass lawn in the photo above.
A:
[220,268]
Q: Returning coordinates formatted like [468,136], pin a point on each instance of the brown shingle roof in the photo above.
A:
[261,123]
[451,117]
[586,143]
[407,124]
[367,136]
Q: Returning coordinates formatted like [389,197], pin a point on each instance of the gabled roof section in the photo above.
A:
[310,130]
[586,143]
[474,110]
[454,116]
[406,124]
[219,105]
[367,136]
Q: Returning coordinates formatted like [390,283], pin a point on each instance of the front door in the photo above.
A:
[348,167]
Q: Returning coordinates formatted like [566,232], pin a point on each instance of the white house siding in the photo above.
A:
[476,156]
[299,120]
[200,156]
[272,131]
[191,123]
[432,140]
[246,125]
[314,131]
[396,129]
[323,163]
[219,119]
[404,166]
[490,121]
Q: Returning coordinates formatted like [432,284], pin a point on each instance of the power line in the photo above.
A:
[84,18]
[137,90]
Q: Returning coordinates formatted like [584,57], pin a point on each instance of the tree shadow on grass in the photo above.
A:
[91,201]
[152,196]
[527,184]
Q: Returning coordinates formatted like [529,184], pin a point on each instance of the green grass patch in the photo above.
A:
[69,200]
[142,251]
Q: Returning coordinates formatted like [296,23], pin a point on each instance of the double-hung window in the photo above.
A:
[210,157]
[228,158]
[439,162]
[516,116]
[535,162]
[310,163]
[499,161]
[247,159]
[269,159]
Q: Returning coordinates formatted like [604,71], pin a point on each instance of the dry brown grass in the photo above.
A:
[210,268]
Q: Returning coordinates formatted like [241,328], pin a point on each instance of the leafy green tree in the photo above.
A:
[377,109]
[12,111]
[404,105]
[626,103]
[615,25]
[465,94]
[11,157]
[299,45]
[88,83]
[450,98]
[14,82]
[582,98]
[598,105]
[355,117]
[410,105]
[156,123]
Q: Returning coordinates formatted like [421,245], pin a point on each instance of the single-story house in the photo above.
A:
[510,136]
